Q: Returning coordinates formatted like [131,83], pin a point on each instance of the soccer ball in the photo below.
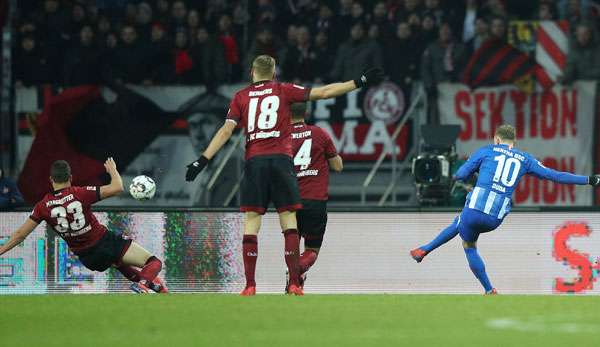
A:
[142,188]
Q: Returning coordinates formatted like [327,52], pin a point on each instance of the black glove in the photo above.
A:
[369,77]
[594,180]
[193,169]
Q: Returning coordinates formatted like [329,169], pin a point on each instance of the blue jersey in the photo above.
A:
[500,170]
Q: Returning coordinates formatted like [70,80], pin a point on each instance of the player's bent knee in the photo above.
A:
[136,255]
[287,220]
[313,242]
[252,223]
[469,244]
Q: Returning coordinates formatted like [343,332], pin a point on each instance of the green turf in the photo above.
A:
[313,320]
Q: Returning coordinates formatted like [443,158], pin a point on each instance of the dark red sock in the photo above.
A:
[130,272]
[307,259]
[250,253]
[151,269]
[292,254]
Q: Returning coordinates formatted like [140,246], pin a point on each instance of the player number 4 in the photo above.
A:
[267,119]
[303,158]
[507,170]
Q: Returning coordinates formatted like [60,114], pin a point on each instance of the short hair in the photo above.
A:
[264,65]
[298,110]
[506,132]
[60,171]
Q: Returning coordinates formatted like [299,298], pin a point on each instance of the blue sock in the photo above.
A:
[446,235]
[478,267]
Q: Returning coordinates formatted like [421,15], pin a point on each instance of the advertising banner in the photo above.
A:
[532,253]
[556,127]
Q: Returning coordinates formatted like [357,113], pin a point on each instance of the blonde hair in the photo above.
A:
[506,132]
[264,66]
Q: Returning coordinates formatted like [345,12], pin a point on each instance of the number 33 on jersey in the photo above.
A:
[263,110]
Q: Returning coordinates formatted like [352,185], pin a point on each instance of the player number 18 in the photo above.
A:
[507,170]
[267,117]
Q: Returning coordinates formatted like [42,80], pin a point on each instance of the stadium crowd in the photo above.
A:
[72,42]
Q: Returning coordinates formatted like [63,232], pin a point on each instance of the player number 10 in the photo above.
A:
[506,167]
[268,113]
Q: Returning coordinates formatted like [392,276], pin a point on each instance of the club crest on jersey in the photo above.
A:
[384,102]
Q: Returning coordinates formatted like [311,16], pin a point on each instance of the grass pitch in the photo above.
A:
[312,320]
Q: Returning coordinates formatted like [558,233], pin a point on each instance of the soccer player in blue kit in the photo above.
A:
[501,167]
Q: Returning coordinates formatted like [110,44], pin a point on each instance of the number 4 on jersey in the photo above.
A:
[303,158]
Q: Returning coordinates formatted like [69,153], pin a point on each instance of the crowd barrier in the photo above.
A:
[363,252]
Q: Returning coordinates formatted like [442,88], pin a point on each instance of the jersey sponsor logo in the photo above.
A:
[384,103]
[60,201]
[302,135]
[307,173]
[93,188]
[264,135]
[260,92]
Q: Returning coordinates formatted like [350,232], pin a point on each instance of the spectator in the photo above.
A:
[10,196]
[574,10]
[496,8]
[441,62]
[482,33]
[433,8]
[323,57]
[401,58]
[357,13]
[162,11]
[583,59]
[193,23]
[31,66]
[355,55]
[264,43]
[53,23]
[182,63]
[143,20]
[159,54]
[103,27]
[380,20]
[498,29]
[230,44]
[300,59]
[78,19]
[429,32]
[178,15]
[131,12]
[547,11]
[325,21]
[471,13]
[207,55]
[82,61]
[266,13]
[128,62]
[411,7]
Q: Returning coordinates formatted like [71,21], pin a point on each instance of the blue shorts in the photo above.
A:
[471,223]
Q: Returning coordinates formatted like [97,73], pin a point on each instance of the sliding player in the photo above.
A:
[500,167]
[263,110]
[67,209]
[314,155]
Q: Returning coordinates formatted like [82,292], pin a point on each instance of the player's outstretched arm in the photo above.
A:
[18,236]
[539,170]
[369,77]
[466,170]
[217,142]
[336,163]
[115,187]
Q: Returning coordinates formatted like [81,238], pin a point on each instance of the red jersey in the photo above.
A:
[312,149]
[69,212]
[263,110]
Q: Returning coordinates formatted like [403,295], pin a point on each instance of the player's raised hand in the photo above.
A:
[594,180]
[194,168]
[369,77]
[110,165]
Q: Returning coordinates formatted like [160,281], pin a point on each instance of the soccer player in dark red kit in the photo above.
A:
[263,110]
[314,155]
[68,210]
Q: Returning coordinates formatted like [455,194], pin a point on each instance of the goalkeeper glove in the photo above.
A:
[594,180]
[193,169]
[369,77]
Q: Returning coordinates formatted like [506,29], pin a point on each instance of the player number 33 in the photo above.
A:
[62,223]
